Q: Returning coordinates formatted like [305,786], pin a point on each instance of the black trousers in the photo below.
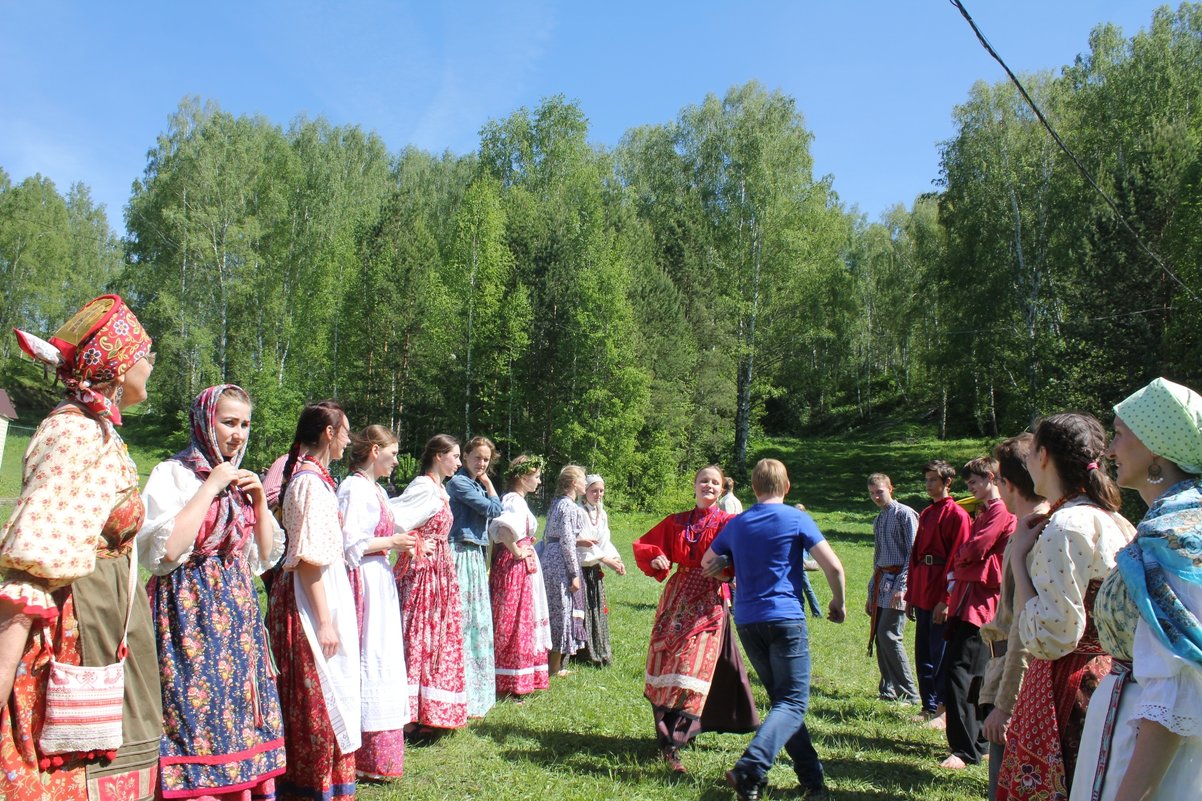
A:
[964,663]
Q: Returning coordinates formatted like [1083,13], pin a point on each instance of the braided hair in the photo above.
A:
[1075,442]
[314,420]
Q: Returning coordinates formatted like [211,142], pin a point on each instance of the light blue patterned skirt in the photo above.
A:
[480,679]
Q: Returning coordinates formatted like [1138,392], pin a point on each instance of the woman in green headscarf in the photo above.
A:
[1143,732]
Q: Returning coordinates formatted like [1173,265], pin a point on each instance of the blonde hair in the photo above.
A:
[568,477]
[769,479]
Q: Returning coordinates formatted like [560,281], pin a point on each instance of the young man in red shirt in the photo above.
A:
[974,582]
[942,528]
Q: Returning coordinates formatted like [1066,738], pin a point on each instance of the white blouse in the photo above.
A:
[1172,686]
[599,531]
[1078,546]
[420,501]
[360,501]
[170,486]
[515,523]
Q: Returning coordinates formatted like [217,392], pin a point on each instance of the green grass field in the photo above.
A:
[590,736]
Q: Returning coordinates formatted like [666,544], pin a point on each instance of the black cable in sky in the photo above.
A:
[1073,156]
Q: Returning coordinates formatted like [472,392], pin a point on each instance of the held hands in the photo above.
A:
[1028,530]
[404,541]
[615,565]
[939,615]
[996,725]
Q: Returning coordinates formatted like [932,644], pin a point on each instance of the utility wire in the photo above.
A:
[1073,156]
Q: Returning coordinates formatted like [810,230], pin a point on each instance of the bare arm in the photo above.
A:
[14,633]
[1155,748]
[314,589]
[832,568]
[249,483]
[712,564]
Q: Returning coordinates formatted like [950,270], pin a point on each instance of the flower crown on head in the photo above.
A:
[525,467]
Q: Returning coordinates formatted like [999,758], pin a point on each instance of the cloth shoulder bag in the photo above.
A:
[84,704]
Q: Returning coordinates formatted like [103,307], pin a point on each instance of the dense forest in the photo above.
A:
[651,307]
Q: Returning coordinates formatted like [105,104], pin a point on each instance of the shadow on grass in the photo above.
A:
[832,473]
[631,758]
[639,605]
[635,760]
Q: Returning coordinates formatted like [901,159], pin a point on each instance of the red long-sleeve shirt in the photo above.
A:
[976,567]
[942,529]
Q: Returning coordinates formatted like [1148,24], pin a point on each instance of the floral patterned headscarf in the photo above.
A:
[234,515]
[98,344]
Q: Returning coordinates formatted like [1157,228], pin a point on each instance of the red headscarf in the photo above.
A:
[101,342]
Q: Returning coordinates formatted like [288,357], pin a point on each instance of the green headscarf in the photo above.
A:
[1167,418]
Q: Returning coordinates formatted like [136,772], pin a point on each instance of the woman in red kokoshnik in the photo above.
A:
[64,564]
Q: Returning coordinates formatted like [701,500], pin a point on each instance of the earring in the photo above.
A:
[1155,473]
[118,395]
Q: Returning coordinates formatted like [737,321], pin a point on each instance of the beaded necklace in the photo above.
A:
[320,469]
[692,527]
[1065,498]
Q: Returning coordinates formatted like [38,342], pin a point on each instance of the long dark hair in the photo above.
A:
[1075,442]
[314,419]
[436,446]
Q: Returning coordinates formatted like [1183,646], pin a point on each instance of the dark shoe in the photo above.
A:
[672,757]
[745,789]
[816,792]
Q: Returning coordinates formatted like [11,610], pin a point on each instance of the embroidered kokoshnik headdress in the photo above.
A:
[98,344]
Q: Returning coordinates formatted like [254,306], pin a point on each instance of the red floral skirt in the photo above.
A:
[315,766]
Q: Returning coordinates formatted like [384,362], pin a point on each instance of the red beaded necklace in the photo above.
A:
[1068,496]
[321,470]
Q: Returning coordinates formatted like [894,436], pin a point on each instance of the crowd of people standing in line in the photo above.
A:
[216,701]
[1053,637]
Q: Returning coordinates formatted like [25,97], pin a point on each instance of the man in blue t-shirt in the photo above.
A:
[766,544]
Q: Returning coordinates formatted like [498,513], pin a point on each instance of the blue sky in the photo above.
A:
[85,87]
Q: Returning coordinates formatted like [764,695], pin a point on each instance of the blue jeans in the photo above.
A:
[928,658]
[780,653]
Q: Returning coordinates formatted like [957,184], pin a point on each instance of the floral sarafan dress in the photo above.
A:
[223,733]
[64,561]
